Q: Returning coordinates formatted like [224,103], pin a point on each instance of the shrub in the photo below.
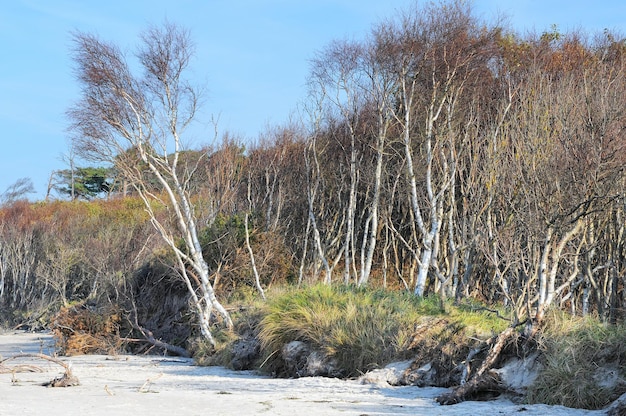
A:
[223,244]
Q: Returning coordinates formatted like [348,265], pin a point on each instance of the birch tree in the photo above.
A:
[336,75]
[137,123]
[561,167]
[378,92]
[433,54]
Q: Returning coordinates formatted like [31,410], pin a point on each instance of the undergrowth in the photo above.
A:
[584,363]
[246,310]
[583,359]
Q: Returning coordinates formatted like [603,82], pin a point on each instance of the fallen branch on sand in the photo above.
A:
[22,368]
[66,380]
[149,337]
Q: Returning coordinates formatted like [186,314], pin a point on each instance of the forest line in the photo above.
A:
[440,154]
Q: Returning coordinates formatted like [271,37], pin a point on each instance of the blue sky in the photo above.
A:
[251,56]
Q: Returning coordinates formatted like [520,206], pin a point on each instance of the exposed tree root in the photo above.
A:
[483,381]
[66,380]
[618,407]
[486,385]
[498,344]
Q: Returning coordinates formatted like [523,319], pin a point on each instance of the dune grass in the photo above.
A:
[361,329]
[584,363]
[583,359]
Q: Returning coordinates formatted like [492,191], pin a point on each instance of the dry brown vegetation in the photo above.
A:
[79,330]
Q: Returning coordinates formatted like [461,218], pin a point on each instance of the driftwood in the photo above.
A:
[23,368]
[483,382]
[66,380]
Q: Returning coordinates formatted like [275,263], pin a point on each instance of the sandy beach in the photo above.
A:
[155,385]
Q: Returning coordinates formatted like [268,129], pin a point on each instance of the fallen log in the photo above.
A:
[150,338]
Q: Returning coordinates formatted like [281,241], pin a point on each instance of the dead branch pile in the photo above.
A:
[82,330]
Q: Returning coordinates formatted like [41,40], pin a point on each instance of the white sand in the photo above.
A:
[149,385]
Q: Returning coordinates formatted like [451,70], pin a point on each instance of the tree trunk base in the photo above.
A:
[484,387]
[484,384]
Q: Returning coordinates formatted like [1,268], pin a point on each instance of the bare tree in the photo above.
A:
[433,56]
[18,190]
[137,123]
[336,76]
[18,261]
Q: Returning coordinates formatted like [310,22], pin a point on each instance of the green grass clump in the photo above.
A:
[483,322]
[361,329]
[584,363]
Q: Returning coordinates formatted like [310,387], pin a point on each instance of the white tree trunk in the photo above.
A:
[122,117]
[552,255]
[350,214]
[543,268]
[312,186]
[372,234]
[422,273]
[257,278]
